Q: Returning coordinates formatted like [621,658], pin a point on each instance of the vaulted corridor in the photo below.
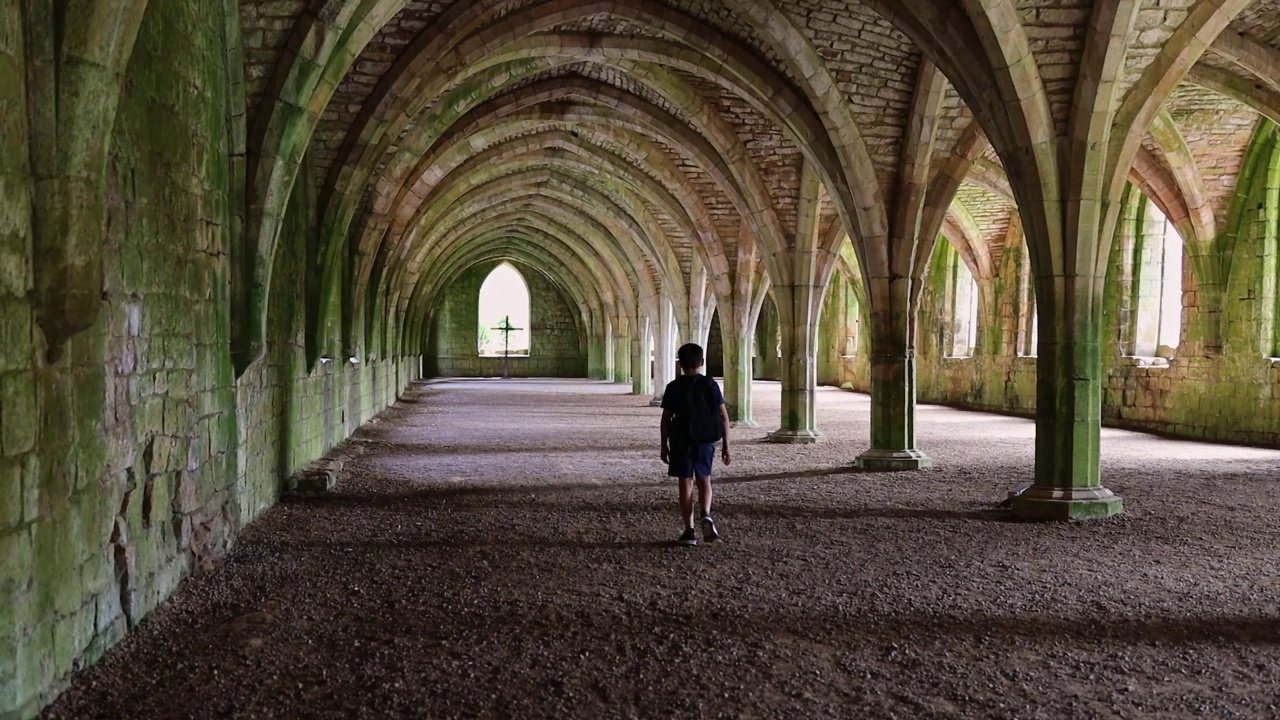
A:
[503,549]
[234,232]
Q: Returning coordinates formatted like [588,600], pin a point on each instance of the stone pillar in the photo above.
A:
[641,379]
[766,340]
[622,360]
[893,380]
[607,341]
[664,352]
[593,352]
[1068,485]
[598,354]
[799,366]
[739,353]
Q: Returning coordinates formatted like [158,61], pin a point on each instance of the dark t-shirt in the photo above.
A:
[676,399]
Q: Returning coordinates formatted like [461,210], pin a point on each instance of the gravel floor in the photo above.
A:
[503,549]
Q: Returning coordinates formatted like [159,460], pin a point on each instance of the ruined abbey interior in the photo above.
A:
[937,251]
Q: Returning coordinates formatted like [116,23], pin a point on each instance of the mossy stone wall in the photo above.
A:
[1221,384]
[137,456]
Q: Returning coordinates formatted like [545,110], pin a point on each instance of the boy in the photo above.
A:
[693,417]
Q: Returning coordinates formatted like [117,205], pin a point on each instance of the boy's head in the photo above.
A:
[690,357]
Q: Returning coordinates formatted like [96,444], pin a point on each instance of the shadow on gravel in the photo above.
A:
[392,448]
[826,512]
[1226,631]
[434,495]
[497,541]
[790,475]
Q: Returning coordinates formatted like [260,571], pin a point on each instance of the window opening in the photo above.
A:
[1028,315]
[1157,285]
[964,308]
[504,314]
[851,321]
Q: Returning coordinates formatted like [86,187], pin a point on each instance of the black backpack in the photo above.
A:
[704,411]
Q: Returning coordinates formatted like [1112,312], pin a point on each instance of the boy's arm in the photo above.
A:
[724,422]
[665,429]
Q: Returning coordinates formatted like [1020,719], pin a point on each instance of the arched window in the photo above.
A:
[1156,286]
[504,313]
[1268,224]
[1028,315]
[849,346]
[964,306]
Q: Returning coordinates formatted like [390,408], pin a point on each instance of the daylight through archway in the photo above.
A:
[504,316]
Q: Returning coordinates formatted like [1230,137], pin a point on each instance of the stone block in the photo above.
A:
[1051,504]
[31,467]
[892,460]
[17,552]
[10,494]
[57,575]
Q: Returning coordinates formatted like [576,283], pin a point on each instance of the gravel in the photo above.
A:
[503,549]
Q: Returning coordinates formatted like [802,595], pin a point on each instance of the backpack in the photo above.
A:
[704,412]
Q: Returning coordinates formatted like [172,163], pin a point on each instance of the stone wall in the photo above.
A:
[557,340]
[136,457]
[841,342]
[1222,382]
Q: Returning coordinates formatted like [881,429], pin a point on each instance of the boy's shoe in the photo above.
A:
[709,529]
[689,537]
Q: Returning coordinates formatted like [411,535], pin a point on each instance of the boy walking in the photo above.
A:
[693,419]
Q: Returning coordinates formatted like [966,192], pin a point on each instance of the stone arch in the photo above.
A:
[556,225]
[572,210]
[76,59]
[566,271]
[522,310]
[324,45]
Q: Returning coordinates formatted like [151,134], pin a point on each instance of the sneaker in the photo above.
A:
[689,537]
[709,529]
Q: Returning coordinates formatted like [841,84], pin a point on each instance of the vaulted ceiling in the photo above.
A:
[681,149]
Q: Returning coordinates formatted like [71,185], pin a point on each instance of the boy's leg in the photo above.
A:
[704,463]
[686,501]
[704,495]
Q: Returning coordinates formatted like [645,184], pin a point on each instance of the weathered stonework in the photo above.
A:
[220,255]
[136,457]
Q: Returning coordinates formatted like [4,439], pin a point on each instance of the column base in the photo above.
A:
[656,402]
[892,460]
[794,437]
[1049,503]
[744,423]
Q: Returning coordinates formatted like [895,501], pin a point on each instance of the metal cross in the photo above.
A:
[506,329]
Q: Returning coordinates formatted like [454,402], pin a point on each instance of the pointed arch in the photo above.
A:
[505,313]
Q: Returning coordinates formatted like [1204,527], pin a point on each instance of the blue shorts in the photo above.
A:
[692,460]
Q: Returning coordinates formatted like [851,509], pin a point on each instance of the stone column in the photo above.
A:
[607,341]
[593,347]
[664,353]
[622,360]
[893,380]
[766,341]
[799,365]
[641,379]
[599,354]
[1068,485]
[739,351]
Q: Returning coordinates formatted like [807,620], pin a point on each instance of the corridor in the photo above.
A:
[503,549]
